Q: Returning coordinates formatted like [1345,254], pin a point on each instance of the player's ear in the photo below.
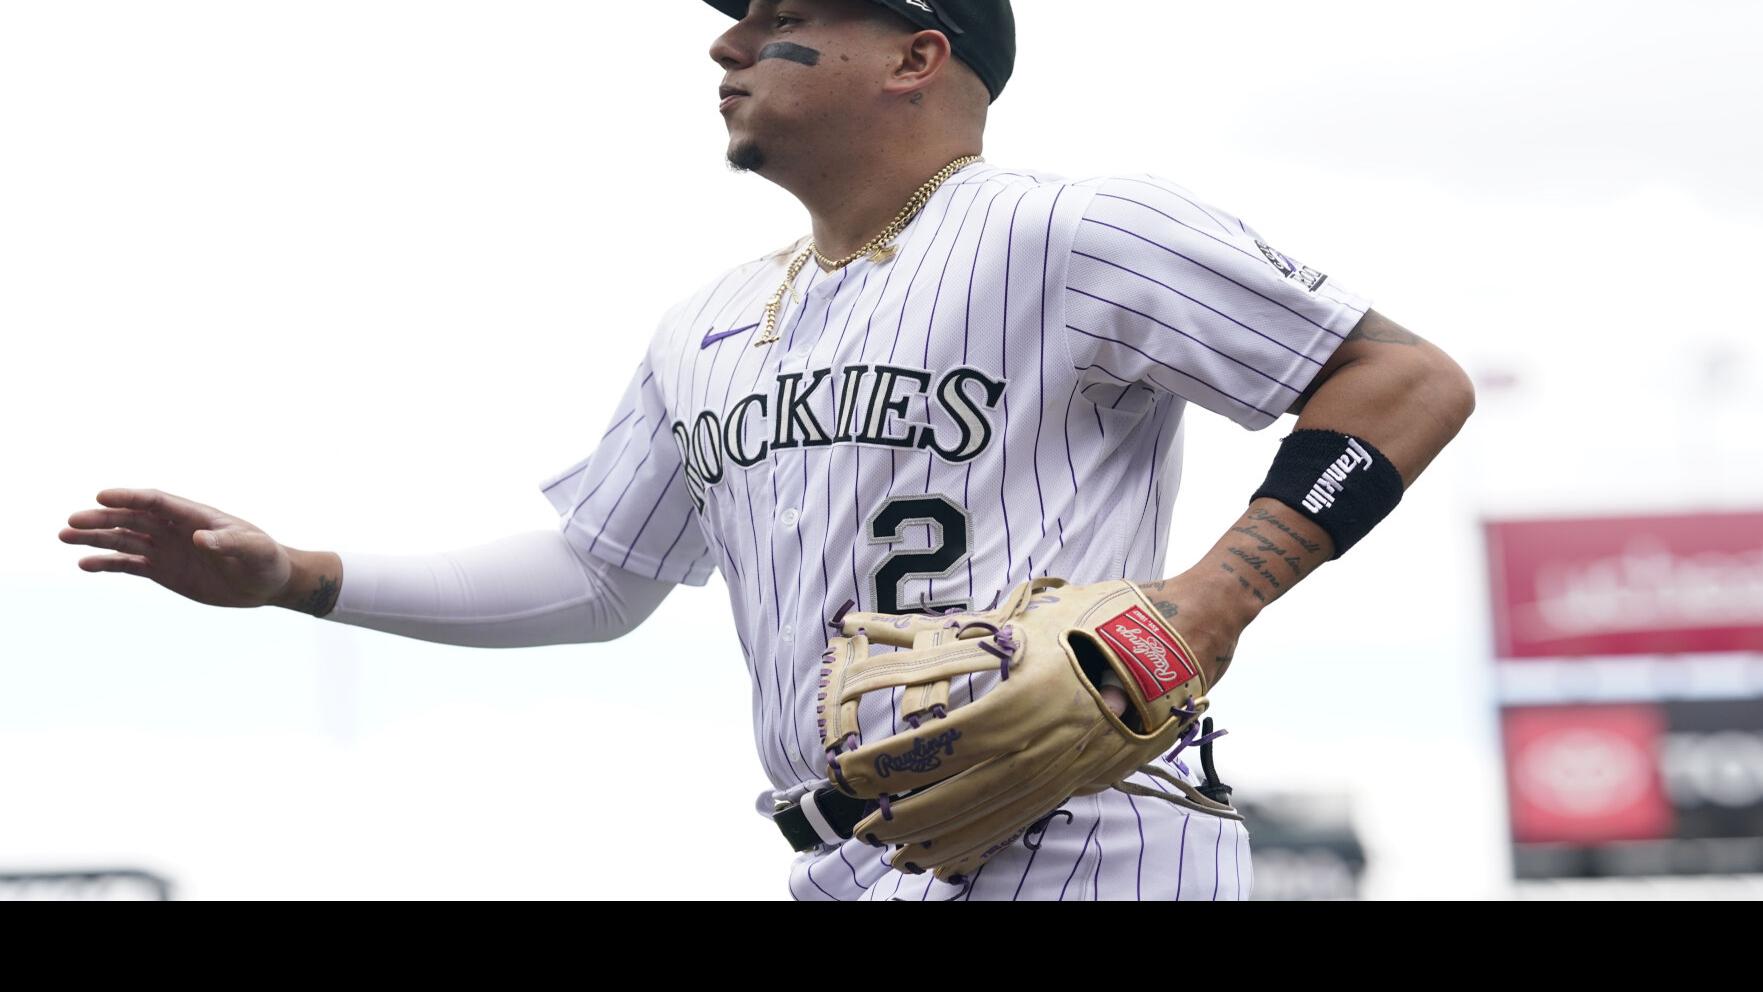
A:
[922,58]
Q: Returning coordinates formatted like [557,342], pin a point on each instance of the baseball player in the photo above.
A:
[966,378]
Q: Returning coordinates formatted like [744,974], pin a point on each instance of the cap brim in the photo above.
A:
[736,9]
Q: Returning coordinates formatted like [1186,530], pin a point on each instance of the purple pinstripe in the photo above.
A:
[1236,855]
[1096,879]
[615,463]
[1004,363]
[1163,411]
[1216,844]
[848,864]
[966,334]
[930,458]
[627,485]
[1215,272]
[662,566]
[1041,345]
[809,871]
[784,706]
[1133,272]
[801,546]
[831,457]
[1226,242]
[1181,864]
[1216,351]
[1138,885]
[1080,858]
[675,477]
[1241,402]
[1180,196]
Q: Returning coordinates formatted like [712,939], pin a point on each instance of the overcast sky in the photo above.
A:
[366,272]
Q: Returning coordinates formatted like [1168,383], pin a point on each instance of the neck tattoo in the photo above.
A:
[878,249]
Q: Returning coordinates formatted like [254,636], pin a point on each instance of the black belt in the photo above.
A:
[825,817]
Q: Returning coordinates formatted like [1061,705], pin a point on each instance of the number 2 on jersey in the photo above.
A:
[948,522]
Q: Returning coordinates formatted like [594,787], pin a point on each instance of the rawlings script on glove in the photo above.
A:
[957,785]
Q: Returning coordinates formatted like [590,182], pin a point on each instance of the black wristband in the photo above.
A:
[1337,480]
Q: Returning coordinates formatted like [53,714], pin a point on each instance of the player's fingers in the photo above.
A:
[132,564]
[105,519]
[132,542]
[162,504]
[1115,698]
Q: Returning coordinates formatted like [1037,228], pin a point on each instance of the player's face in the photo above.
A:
[800,75]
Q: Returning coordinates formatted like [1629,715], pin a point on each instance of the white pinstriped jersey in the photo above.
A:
[1003,399]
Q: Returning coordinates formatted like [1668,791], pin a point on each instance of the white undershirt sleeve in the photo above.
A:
[523,591]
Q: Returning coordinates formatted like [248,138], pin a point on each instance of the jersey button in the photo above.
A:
[787,634]
[789,517]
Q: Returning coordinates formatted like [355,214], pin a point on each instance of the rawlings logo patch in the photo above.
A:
[1152,653]
[925,754]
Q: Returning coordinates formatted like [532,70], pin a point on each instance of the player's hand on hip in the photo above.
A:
[1207,613]
[194,550]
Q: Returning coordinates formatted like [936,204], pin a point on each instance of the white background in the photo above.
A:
[365,272]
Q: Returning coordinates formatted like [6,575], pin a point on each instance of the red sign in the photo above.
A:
[1585,775]
[1627,585]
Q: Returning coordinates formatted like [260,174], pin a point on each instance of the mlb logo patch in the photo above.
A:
[1303,275]
[1153,655]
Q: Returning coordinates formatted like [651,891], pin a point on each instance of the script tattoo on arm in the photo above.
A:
[1289,542]
[1268,552]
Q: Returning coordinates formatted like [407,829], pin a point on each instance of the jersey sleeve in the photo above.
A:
[1169,291]
[629,503]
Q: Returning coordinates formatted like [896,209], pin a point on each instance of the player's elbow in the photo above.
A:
[625,601]
[1450,393]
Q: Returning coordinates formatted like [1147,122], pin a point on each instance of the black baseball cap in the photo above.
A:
[982,32]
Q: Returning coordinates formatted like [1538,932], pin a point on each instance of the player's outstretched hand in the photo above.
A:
[194,550]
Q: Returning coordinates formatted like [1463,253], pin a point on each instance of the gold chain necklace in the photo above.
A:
[879,249]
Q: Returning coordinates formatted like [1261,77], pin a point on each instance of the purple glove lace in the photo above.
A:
[1191,738]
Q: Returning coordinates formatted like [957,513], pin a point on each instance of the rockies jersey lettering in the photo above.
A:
[884,393]
[1003,399]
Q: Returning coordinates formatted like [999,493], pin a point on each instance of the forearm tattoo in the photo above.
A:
[1263,546]
[322,599]
[1157,592]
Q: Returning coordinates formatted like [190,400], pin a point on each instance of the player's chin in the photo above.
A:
[745,154]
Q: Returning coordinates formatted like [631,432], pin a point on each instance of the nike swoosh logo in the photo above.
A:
[713,337]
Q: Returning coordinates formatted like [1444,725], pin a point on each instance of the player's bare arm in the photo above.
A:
[1384,384]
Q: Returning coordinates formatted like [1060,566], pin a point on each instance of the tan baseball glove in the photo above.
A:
[957,785]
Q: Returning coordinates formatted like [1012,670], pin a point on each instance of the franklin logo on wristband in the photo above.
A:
[1310,475]
[1334,478]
